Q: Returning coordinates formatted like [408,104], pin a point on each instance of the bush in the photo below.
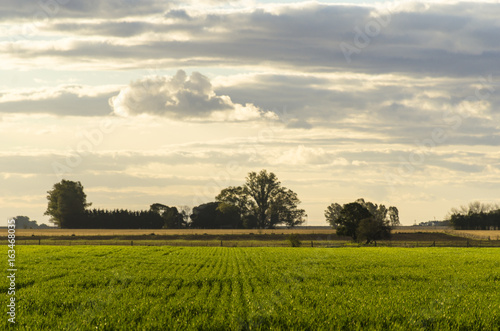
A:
[294,240]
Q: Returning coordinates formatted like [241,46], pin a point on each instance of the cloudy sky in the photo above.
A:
[166,101]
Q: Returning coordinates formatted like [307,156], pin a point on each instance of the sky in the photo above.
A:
[144,102]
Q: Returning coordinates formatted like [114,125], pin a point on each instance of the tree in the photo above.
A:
[263,202]
[24,222]
[228,216]
[185,212]
[475,216]
[203,216]
[216,215]
[362,220]
[350,217]
[284,209]
[122,219]
[332,214]
[474,207]
[67,204]
[372,229]
[237,197]
[394,216]
[173,219]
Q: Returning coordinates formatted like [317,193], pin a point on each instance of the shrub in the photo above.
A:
[294,240]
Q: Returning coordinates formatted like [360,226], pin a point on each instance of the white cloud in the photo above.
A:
[182,97]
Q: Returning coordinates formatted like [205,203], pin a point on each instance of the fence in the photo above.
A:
[465,234]
[244,243]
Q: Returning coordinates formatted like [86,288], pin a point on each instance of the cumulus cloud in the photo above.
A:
[182,97]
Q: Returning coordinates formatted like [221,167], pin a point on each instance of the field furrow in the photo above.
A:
[219,288]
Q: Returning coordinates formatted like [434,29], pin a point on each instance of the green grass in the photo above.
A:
[219,288]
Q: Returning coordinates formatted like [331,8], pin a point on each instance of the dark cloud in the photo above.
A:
[180,14]
[116,29]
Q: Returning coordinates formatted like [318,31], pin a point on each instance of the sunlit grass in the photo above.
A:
[218,288]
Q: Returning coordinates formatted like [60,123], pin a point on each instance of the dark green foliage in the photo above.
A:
[172,218]
[294,240]
[476,216]
[263,203]
[216,215]
[67,204]
[228,216]
[372,229]
[362,221]
[479,221]
[120,219]
[350,217]
[67,207]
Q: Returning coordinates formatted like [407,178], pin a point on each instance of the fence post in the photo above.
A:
[38,242]
[221,243]
[131,243]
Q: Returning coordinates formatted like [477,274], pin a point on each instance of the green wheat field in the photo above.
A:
[222,288]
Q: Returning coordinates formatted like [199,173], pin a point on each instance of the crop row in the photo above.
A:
[219,288]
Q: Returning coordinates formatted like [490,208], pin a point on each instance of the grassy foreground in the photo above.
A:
[219,288]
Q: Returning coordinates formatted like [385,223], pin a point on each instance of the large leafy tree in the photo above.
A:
[67,203]
[350,217]
[362,220]
[372,229]
[263,202]
[173,219]
[216,215]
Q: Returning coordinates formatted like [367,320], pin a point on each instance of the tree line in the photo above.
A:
[24,222]
[475,216]
[261,202]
